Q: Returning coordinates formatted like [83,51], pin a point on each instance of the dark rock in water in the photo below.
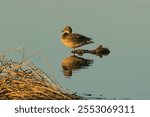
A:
[99,51]
[88,94]
[80,51]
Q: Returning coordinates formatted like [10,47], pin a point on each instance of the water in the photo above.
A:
[121,25]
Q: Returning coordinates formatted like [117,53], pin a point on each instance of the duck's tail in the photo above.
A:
[89,41]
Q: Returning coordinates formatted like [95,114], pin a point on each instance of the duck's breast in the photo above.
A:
[69,43]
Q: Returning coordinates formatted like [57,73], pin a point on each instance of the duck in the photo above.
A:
[74,40]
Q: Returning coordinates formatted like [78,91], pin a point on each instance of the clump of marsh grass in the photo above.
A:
[24,81]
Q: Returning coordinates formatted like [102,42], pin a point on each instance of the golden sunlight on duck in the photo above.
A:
[74,40]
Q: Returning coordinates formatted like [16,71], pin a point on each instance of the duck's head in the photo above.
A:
[67,29]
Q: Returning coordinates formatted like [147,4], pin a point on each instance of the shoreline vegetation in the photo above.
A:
[23,80]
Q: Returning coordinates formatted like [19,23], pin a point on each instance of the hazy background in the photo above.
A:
[121,25]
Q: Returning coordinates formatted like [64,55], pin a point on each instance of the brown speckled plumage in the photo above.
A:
[74,40]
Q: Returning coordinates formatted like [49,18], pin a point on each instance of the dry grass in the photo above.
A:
[24,81]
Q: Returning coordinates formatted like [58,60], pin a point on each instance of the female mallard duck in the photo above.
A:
[74,40]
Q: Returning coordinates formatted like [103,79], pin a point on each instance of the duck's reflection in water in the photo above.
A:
[74,63]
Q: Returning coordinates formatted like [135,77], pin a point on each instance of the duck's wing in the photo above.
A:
[78,38]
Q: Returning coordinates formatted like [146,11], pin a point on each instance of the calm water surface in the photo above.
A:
[121,25]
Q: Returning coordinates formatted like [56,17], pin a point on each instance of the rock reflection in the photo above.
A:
[74,63]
